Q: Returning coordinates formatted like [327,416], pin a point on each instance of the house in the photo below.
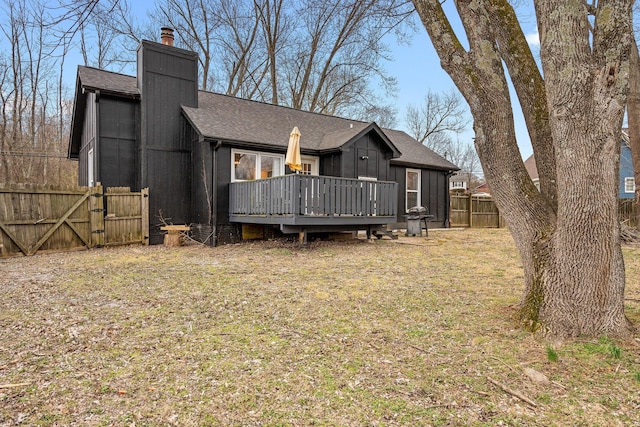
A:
[482,189]
[627,177]
[459,182]
[532,169]
[626,185]
[216,162]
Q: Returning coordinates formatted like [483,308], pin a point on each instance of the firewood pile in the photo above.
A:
[629,235]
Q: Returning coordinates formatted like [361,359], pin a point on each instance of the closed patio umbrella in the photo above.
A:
[293,159]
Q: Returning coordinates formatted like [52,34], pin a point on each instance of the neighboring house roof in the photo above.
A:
[239,120]
[532,169]
[459,177]
[483,188]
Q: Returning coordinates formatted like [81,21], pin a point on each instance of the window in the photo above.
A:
[309,166]
[457,184]
[90,161]
[629,185]
[249,165]
[413,188]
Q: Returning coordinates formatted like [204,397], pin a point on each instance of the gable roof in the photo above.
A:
[233,119]
[91,79]
[108,82]
[256,123]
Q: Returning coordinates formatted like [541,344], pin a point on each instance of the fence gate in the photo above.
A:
[37,218]
[127,216]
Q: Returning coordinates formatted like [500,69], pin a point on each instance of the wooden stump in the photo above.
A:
[174,236]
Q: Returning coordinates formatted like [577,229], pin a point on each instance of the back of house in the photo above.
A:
[204,155]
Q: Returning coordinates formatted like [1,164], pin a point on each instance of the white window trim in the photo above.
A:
[629,184]
[406,189]
[313,161]
[235,151]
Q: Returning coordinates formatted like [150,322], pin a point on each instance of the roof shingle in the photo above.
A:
[235,119]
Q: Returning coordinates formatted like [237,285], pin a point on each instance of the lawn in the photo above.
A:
[409,332]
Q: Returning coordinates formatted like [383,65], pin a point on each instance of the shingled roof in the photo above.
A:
[234,119]
[106,81]
[239,120]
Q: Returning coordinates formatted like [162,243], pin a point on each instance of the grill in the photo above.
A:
[415,216]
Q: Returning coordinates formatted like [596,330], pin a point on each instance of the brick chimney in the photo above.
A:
[166,35]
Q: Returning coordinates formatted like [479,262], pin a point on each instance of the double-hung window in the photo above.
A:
[629,185]
[413,188]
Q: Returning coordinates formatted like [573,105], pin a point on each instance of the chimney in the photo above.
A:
[166,35]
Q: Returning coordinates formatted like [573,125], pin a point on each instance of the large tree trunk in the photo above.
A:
[567,235]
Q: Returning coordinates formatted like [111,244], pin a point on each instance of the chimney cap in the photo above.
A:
[166,36]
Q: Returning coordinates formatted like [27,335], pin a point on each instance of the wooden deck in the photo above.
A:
[305,202]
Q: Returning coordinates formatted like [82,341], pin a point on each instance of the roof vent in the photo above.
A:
[166,35]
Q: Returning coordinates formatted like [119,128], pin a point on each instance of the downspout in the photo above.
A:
[447,197]
[214,187]
[97,147]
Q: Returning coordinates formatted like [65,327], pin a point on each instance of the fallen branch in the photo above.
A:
[3,386]
[419,348]
[446,406]
[513,392]
[503,362]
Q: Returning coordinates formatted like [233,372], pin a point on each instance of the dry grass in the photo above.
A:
[408,332]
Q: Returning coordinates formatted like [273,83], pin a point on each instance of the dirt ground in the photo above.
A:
[417,331]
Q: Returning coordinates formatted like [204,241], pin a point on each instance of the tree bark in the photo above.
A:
[567,235]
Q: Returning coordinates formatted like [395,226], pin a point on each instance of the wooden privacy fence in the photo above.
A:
[629,212]
[474,211]
[482,212]
[41,218]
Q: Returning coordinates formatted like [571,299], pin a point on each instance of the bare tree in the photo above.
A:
[195,22]
[317,56]
[244,59]
[574,117]
[98,36]
[464,156]
[337,52]
[33,131]
[437,120]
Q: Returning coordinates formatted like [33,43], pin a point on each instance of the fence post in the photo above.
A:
[96,216]
[144,213]
[470,210]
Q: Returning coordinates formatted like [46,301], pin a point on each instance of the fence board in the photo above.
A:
[37,218]
[482,212]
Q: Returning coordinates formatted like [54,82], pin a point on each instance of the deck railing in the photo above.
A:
[313,196]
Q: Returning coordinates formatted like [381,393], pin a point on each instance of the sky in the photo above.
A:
[416,67]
